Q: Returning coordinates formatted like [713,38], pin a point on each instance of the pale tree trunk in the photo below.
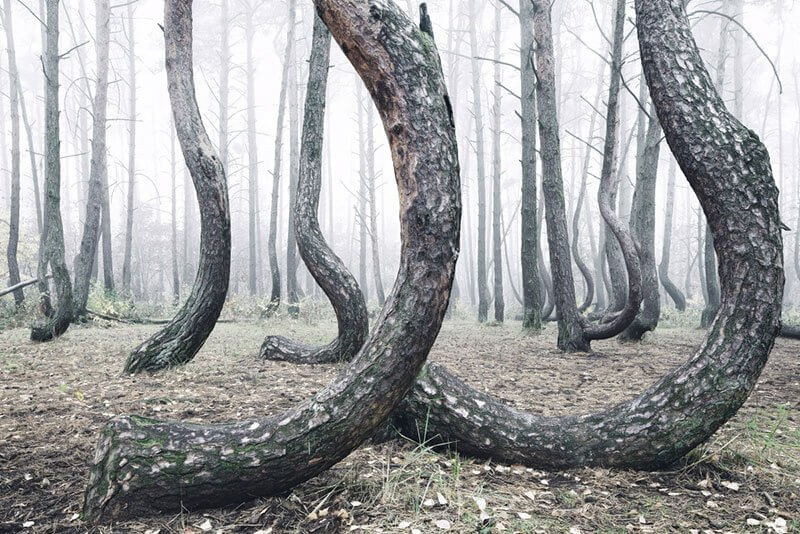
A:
[31,157]
[126,262]
[180,340]
[373,209]
[328,270]
[5,183]
[272,244]
[663,267]
[176,279]
[200,465]
[529,247]
[598,255]
[497,199]
[292,290]
[685,407]
[87,255]
[224,85]
[52,247]
[252,154]
[14,190]
[480,149]
[362,196]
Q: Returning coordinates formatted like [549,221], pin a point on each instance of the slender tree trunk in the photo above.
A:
[176,279]
[5,183]
[14,191]
[328,270]
[180,340]
[52,248]
[32,157]
[373,209]
[529,249]
[207,465]
[362,196]
[685,407]
[497,199]
[663,267]
[224,82]
[292,291]
[252,154]
[126,261]
[87,255]
[480,148]
[598,255]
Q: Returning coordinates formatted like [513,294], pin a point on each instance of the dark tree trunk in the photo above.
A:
[14,190]
[327,269]
[87,255]
[126,259]
[531,294]
[272,244]
[178,342]
[480,150]
[52,247]
[142,465]
[570,333]
[643,224]
[685,407]
[497,198]
[663,267]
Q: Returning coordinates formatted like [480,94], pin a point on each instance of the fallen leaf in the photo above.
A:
[443,524]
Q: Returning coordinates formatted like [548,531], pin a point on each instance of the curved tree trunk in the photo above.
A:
[685,407]
[327,269]
[180,340]
[643,224]
[663,267]
[52,248]
[87,255]
[529,247]
[143,465]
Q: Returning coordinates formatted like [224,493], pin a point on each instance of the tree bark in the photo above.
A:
[87,255]
[480,150]
[14,190]
[529,247]
[327,269]
[685,407]
[663,267]
[126,262]
[52,247]
[179,341]
[142,465]
[497,198]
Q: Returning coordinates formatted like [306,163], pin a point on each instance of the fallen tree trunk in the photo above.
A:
[327,269]
[17,287]
[179,341]
[685,407]
[142,465]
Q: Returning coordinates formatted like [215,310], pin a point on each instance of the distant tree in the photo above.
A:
[130,207]
[497,198]
[372,179]
[293,292]
[663,267]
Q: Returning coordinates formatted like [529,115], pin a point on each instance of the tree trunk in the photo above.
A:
[663,267]
[14,192]
[143,465]
[272,244]
[327,269]
[105,229]
[480,150]
[362,196]
[497,198]
[252,154]
[684,408]
[52,247]
[643,222]
[179,341]
[87,255]
[126,262]
[373,209]
[176,279]
[292,291]
[570,333]
[531,294]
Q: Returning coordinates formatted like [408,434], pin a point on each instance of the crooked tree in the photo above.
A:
[190,464]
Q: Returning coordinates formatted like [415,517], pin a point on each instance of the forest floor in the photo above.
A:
[55,397]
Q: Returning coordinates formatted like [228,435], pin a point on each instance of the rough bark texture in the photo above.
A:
[87,255]
[179,341]
[52,248]
[685,407]
[643,225]
[142,465]
[128,251]
[663,267]
[570,332]
[529,249]
[14,190]
[327,269]
[480,151]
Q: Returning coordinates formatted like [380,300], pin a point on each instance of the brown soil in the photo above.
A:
[55,397]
